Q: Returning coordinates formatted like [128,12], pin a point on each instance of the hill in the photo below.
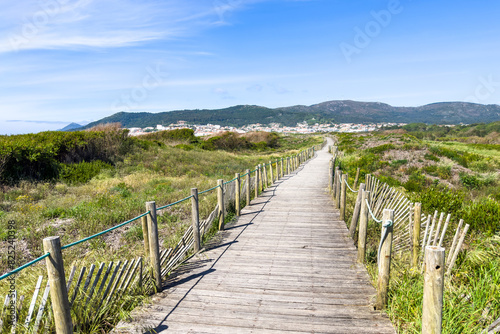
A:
[71,126]
[345,111]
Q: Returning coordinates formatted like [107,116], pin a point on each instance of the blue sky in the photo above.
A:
[65,61]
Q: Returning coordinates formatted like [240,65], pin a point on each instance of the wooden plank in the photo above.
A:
[41,309]
[33,301]
[96,280]
[286,265]
[77,286]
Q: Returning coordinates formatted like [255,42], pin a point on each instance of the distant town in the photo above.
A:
[211,129]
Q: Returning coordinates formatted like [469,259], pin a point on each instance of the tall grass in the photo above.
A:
[457,178]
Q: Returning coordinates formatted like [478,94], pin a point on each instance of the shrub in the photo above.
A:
[381,148]
[231,141]
[463,158]
[183,135]
[439,198]
[470,181]
[444,172]
[416,182]
[82,172]
[482,215]
[39,157]
[431,157]
[399,163]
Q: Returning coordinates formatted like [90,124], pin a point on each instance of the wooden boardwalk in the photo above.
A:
[287,265]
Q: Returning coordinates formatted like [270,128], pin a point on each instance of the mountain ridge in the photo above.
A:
[337,111]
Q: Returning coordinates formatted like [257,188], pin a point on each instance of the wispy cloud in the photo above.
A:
[58,24]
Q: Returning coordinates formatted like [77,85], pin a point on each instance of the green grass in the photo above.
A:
[104,198]
[457,177]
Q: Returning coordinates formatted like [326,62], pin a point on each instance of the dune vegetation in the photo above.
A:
[446,171]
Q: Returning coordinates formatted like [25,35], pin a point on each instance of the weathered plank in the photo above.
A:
[287,265]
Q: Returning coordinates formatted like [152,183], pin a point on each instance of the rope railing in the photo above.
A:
[230,181]
[15,271]
[208,190]
[371,213]
[347,184]
[104,232]
[172,204]
[170,258]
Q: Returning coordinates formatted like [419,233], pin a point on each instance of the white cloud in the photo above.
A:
[66,24]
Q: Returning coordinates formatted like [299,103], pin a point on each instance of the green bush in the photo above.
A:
[444,172]
[51,213]
[470,181]
[482,215]
[82,172]
[462,158]
[398,163]
[176,135]
[431,157]
[431,169]
[439,198]
[39,157]
[416,182]
[381,148]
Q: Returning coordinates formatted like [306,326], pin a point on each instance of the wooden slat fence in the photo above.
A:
[426,237]
[435,230]
[91,289]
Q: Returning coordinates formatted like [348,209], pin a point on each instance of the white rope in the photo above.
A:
[370,210]
[347,184]
[385,225]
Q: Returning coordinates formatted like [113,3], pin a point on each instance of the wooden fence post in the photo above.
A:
[343,196]
[195,215]
[416,233]
[335,174]
[357,209]
[220,200]
[237,195]
[57,282]
[271,171]
[363,224]
[154,244]
[247,178]
[384,261]
[432,313]
[288,165]
[338,187]
[265,181]
[356,179]
[257,182]
[282,168]
[330,176]
[277,170]
[145,235]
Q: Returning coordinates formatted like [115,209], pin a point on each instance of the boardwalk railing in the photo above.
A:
[90,290]
[406,230]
